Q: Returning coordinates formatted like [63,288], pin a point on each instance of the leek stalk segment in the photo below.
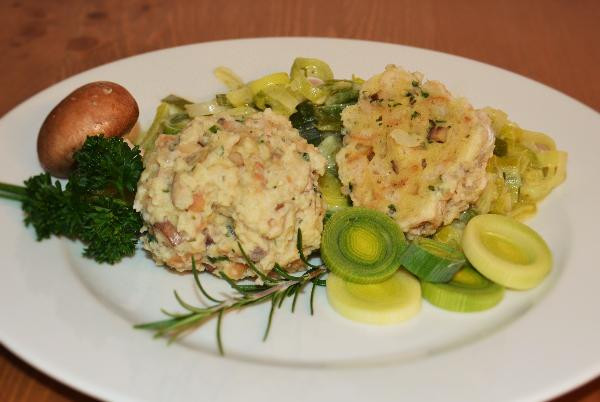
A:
[506,251]
[392,301]
[314,68]
[468,291]
[525,168]
[331,189]
[431,260]
[362,245]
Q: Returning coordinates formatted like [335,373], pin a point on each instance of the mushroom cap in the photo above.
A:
[98,108]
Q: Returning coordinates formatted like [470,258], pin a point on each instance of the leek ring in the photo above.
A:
[362,245]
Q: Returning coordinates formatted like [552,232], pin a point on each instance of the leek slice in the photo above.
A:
[362,245]
[551,171]
[506,251]
[241,111]
[176,101]
[228,77]
[342,91]
[204,108]
[538,141]
[389,302]
[452,234]
[307,67]
[307,90]
[268,80]
[147,140]
[240,96]
[175,123]
[279,98]
[525,167]
[330,187]
[329,117]
[468,291]
[305,122]
[431,260]
[329,148]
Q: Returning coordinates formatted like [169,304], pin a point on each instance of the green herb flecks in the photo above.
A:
[217,259]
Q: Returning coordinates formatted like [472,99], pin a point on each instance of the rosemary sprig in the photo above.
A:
[275,288]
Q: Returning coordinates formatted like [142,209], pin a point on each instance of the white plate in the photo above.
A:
[72,318]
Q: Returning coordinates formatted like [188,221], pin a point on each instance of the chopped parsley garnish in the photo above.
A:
[306,156]
[230,231]
[391,209]
[415,84]
[217,259]
[414,115]
[424,94]
[213,129]
[500,147]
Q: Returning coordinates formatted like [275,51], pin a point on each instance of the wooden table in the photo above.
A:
[555,42]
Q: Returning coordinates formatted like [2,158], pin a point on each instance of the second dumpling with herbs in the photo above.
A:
[414,151]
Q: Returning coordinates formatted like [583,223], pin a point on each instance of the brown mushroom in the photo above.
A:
[97,108]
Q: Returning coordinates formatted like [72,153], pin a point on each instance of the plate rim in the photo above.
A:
[85,387]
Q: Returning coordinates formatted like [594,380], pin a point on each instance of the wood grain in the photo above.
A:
[554,42]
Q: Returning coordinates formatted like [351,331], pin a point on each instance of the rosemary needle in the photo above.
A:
[276,287]
[219,341]
[199,285]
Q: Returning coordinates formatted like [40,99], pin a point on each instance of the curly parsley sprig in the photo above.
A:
[94,207]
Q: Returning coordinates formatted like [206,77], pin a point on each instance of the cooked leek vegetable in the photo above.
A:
[305,121]
[330,187]
[329,117]
[329,148]
[315,122]
[468,291]
[268,80]
[303,87]
[431,260]
[147,139]
[278,98]
[240,96]
[506,251]
[452,234]
[525,167]
[177,101]
[389,302]
[175,123]
[313,68]
[170,118]
[342,92]
[204,108]
[228,77]
[362,245]
[241,111]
